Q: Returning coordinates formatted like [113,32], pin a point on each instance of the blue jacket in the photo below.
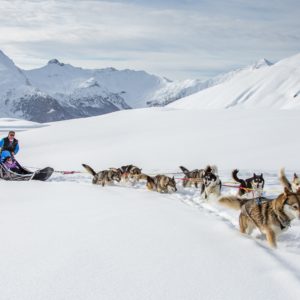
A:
[16,150]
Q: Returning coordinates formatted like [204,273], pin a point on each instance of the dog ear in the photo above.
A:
[254,175]
[261,175]
[286,191]
[281,199]
[295,175]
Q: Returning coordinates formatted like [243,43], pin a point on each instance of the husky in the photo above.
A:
[130,173]
[191,178]
[104,177]
[250,185]
[271,217]
[160,183]
[293,186]
[211,183]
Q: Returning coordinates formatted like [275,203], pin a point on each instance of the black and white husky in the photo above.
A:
[211,187]
[253,185]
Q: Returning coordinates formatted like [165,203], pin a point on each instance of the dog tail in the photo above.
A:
[283,179]
[89,169]
[232,202]
[234,176]
[184,170]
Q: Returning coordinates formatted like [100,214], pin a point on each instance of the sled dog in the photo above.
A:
[104,177]
[271,217]
[130,173]
[212,184]
[250,185]
[160,183]
[191,178]
[293,186]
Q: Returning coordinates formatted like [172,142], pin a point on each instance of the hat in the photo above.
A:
[4,155]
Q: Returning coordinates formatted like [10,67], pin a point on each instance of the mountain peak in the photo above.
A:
[56,62]
[261,63]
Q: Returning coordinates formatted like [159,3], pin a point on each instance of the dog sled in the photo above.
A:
[24,174]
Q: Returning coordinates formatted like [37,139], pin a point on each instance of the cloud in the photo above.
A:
[177,39]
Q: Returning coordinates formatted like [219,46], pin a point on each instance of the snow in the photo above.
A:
[161,139]
[78,241]
[69,239]
[7,124]
[268,87]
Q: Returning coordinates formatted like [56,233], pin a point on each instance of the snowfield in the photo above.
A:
[69,239]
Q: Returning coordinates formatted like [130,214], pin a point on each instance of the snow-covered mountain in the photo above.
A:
[263,85]
[59,91]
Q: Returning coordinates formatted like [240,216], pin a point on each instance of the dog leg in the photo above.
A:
[271,237]
[243,223]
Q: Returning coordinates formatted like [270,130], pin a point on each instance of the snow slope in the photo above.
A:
[161,138]
[274,87]
[69,239]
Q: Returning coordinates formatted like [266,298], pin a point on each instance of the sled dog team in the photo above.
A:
[270,216]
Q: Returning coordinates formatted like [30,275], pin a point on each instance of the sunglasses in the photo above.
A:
[11,135]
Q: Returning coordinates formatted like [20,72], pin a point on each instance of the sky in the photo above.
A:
[175,39]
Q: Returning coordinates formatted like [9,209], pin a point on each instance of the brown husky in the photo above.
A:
[104,177]
[271,217]
[160,183]
[293,186]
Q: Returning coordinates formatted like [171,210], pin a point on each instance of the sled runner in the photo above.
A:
[24,174]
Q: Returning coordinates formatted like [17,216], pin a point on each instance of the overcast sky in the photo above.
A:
[176,39]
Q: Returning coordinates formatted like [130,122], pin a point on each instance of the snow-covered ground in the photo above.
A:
[69,239]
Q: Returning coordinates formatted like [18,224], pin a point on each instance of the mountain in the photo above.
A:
[59,91]
[262,86]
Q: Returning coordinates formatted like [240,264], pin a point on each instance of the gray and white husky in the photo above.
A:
[130,173]
[104,177]
[194,177]
[159,183]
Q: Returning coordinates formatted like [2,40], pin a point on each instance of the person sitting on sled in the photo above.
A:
[10,163]
[10,144]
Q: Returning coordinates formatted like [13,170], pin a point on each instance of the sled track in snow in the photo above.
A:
[288,242]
